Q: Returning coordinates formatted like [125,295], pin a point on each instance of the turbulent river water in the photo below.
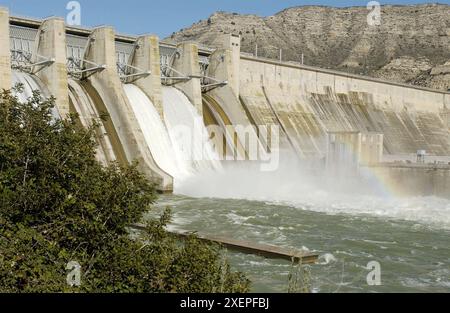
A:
[414,255]
[349,221]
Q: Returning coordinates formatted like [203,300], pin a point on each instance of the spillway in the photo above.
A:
[87,111]
[188,133]
[180,144]
[30,84]
[154,130]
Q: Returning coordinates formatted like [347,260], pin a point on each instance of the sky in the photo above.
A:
[162,17]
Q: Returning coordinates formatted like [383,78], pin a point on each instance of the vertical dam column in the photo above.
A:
[5,53]
[147,58]
[51,44]
[107,83]
[226,66]
[187,62]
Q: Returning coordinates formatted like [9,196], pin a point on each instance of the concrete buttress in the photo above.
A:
[102,51]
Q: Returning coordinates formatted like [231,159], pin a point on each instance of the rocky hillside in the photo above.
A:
[411,45]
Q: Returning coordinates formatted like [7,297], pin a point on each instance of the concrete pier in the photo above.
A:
[225,62]
[187,62]
[5,54]
[311,102]
[267,251]
[102,51]
[51,44]
[307,103]
[224,65]
[147,58]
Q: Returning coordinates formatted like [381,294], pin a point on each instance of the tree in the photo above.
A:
[58,204]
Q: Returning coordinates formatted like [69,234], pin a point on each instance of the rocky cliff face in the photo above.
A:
[411,45]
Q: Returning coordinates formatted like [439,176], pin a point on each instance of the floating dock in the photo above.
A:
[267,251]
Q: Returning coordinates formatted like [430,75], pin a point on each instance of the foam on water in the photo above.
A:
[326,258]
[293,185]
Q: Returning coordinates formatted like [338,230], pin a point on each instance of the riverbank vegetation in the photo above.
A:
[60,207]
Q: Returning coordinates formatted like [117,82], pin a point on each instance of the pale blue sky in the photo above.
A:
[164,17]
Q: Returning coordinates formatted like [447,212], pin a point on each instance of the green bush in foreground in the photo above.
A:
[58,204]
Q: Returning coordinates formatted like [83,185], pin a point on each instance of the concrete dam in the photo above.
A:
[148,89]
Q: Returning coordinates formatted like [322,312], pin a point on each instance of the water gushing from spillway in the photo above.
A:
[154,131]
[180,144]
[30,83]
[188,133]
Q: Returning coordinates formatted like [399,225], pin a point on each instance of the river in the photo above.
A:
[414,256]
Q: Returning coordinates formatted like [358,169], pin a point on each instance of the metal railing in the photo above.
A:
[27,62]
[81,69]
[129,73]
[169,75]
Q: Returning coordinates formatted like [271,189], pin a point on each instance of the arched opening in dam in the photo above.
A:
[341,173]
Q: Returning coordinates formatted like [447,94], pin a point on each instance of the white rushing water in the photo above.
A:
[413,257]
[155,132]
[294,186]
[180,146]
[188,133]
[30,83]
[87,111]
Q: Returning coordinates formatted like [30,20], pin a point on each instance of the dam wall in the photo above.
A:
[87,70]
[415,179]
[102,50]
[310,102]
[80,67]
[5,50]
[50,45]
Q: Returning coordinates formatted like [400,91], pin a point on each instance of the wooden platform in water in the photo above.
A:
[268,251]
